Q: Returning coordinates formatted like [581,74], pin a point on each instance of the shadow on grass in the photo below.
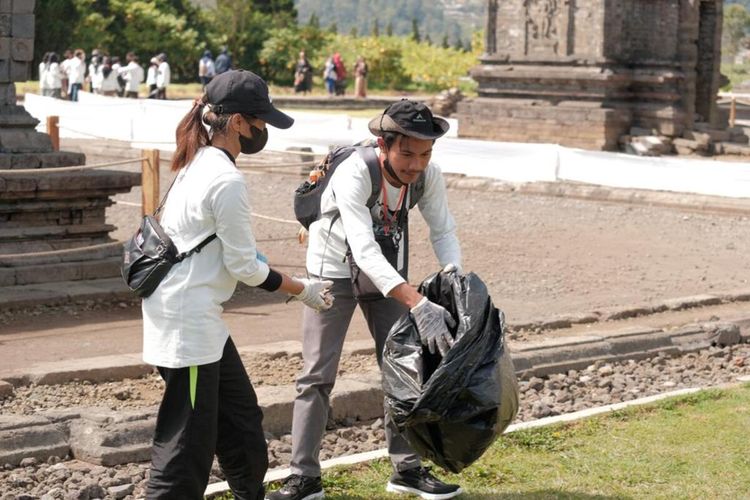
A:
[533,495]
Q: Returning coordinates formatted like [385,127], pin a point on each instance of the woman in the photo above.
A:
[329,76]
[108,78]
[209,403]
[153,68]
[302,75]
[340,74]
[360,78]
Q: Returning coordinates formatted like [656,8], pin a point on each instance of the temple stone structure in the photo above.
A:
[52,223]
[582,73]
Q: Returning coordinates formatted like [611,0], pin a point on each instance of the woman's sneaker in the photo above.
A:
[419,481]
[298,487]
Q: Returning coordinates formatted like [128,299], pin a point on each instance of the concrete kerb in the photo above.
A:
[109,437]
[358,458]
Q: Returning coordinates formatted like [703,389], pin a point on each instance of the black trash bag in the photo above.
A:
[452,409]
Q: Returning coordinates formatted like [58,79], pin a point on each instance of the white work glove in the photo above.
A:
[316,294]
[432,324]
[452,268]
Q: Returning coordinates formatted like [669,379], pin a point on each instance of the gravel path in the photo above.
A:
[598,384]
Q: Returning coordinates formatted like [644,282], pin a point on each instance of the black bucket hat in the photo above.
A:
[240,91]
[409,118]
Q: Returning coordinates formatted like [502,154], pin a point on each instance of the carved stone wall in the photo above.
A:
[653,62]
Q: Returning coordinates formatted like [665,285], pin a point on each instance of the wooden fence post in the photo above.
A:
[53,130]
[150,181]
[733,112]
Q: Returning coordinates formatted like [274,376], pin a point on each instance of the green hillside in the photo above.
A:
[456,19]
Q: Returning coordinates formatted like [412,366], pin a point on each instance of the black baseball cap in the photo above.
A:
[240,91]
[410,118]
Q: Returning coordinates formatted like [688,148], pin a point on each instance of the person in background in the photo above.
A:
[52,76]
[360,78]
[206,68]
[133,75]
[43,69]
[329,76]
[223,62]
[209,406]
[95,75]
[153,69]
[163,77]
[302,74]
[340,74]
[68,56]
[76,70]
[108,78]
[117,68]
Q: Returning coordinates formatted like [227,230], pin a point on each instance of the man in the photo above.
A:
[377,239]
[163,76]
[133,75]
[223,62]
[76,71]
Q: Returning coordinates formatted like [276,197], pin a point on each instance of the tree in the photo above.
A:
[353,32]
[333,28]
[375,27]
[427,39]
[445,43]
[389,29]
[415,30]
[736,26]
[314,22]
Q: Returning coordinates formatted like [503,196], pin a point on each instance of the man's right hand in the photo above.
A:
[432,324]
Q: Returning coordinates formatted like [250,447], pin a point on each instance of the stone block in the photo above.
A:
[6,6]
[110,442]
[4,71]
[6,389]
[23,6]
[7,277]
[22,49]
[5,47]
[25,437]
[5,25]
[19,71]
[22,25]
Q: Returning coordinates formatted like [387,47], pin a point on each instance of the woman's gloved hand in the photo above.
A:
[433,322]
[316,294]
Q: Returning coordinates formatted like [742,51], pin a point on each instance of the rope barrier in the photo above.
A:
[259,216]
[54,170]
[65,251]
[276,165]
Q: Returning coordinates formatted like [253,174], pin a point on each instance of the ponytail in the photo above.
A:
[191,134]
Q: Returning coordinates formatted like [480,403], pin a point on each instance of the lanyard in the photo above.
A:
[399,206]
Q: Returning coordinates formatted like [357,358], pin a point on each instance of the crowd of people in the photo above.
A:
[334,76]
[107,75]
[103,74]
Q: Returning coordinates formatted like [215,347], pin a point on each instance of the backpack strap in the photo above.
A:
[367,153]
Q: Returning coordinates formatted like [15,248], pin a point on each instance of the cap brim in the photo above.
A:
[384,123]
[276,118]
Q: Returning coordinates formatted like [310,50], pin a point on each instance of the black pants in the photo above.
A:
[208,409]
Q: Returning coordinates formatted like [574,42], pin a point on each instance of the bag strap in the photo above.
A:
[184,255]
[164,198]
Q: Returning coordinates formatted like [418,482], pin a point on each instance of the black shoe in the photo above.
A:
[419,481]
[298,487]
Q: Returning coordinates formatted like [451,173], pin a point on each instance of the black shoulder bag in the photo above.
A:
[150,253]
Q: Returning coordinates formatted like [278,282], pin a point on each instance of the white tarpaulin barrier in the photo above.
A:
[149,123]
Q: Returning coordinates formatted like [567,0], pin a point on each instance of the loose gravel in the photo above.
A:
[599,384]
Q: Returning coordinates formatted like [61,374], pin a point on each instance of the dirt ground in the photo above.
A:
[540,257]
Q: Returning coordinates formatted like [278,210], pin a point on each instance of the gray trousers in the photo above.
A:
[323,340]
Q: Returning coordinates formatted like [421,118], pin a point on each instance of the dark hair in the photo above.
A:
[53,58]
[191,135]
[390,138]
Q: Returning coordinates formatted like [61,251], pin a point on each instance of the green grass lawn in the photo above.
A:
[695,446]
